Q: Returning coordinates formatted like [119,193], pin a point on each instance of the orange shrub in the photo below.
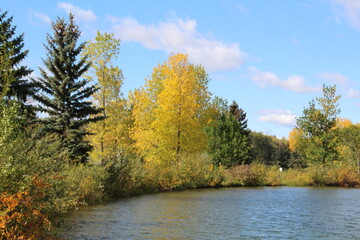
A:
[21,214]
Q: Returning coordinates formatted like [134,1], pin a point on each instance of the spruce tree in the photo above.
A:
[13,74]
[65,94]
[229,142]
[240,116]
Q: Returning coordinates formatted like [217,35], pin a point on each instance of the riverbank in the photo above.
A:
[316,175]
[53,195]
[254,175]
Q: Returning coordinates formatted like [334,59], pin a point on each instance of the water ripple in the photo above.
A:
[228,213]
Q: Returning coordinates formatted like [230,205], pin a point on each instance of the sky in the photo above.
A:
[270,56]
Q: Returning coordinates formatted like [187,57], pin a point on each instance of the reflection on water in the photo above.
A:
[227,213]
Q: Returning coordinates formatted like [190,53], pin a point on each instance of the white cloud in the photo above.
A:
[43,17]
[282,117]
[293,83]
[81,15]
[335,78]
[38,18]
[178,35]
[349,10]
[352,93]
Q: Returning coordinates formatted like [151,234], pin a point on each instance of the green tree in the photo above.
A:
[65,94]
[11,56]
[262,148]
[318,139]
[229,143]
[240,116]
[270,150]
[350,138]
[111,134]
[282,154]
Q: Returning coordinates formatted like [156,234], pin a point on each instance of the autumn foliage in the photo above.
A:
[171,133]
[169,111]
[23,215]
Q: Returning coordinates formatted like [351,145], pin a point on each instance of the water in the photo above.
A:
[227,213]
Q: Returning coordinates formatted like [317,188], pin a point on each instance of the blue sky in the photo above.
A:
[271,56]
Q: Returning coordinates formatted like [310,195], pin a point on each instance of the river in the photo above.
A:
[225,213]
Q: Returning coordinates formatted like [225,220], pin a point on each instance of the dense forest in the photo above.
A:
[69,137]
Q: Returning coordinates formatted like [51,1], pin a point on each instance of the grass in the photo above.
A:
[317,175]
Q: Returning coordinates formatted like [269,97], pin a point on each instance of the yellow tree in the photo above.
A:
[342,123]
[169,111]
[111,133]
[294,138]
[144,101]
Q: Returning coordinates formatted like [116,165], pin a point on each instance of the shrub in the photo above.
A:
[85,183]
[335,175]
[23,214]
[296,177]
[190,171]
[118,181]
[196,171]
[247,175]
[348,177]
[273,176]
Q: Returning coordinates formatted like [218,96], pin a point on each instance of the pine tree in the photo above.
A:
[11,48]
[240,116]
[65,95]
[229,138]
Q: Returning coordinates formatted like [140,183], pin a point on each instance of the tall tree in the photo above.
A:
[317,124]
[11,48]
[229,138]
[110,134]
[350,138]
[240,116]
[65,94]
[169,111]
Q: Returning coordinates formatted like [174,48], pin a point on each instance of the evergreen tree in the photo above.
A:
[240,116]
[11,48]
[65,95]
[229,142]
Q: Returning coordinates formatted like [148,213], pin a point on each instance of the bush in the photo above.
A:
[335,174]
[296,177]
[79,185]
[247,175]
[118,181]
[191,171]
[274,177]
[196,171]
[348,177]
[23,215]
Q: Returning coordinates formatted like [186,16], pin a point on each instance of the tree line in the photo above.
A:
[80,141]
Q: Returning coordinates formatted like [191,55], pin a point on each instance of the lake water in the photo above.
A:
[226,213]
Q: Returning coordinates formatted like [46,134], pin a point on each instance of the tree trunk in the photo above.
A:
[178,147]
